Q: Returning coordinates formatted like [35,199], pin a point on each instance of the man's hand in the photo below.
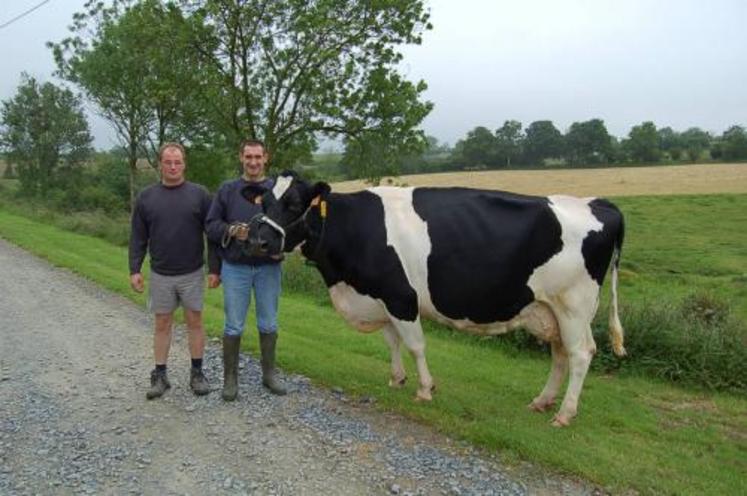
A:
[213,281]
[239,230]
[137,282]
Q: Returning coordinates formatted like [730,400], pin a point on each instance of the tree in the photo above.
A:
[695,140]
[542,141]
[478,148]
[588,143]
[135,67]
[642,144]
[670,142]
[508,140]
[734,143]
[43,130]
[289,72]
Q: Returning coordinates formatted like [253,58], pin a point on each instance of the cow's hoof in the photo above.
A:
[561,421]
[423,395]
[538,405]
[397,383]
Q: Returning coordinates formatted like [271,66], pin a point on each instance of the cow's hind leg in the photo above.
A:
[392,338]
[558,372]
[577,339]
[412,336]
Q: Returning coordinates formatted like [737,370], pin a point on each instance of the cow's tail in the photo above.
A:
[616,329]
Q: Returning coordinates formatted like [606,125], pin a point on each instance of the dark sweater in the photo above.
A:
[169,223]
[228,207]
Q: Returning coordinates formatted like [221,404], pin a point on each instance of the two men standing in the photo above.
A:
[169,220]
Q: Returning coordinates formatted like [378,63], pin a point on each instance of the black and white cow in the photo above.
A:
[485,262]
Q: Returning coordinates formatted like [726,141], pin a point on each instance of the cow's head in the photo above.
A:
[283,225]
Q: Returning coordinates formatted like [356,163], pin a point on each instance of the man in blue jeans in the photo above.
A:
[243,273]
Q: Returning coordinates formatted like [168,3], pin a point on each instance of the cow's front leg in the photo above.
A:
[411,334]
[399,377]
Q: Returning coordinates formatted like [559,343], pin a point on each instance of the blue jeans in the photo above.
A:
[238,281]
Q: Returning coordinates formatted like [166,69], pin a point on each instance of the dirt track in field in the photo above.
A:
[614,181]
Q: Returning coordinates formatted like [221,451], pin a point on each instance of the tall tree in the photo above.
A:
[734,143]
[43,129]
[289,72]
[670,142]
[131,59]
[542,141]
[695,141]
[642,144]
[588,143]
[508,140]
[477,149]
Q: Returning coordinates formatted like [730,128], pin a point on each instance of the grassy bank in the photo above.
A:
[631,432]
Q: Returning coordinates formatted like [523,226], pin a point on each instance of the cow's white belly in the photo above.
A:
[360,311]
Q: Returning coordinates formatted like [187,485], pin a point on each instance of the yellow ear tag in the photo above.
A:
[323,209]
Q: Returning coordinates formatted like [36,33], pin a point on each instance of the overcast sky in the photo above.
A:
[679,63]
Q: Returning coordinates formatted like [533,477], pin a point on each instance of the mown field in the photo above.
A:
[634,431]
[609,181]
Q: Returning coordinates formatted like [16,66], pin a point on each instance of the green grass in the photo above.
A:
[631,433]
[676,243]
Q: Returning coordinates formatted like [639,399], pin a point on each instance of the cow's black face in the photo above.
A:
[284,225]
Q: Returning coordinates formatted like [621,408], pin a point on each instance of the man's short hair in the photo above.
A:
[252,142]
[171,144]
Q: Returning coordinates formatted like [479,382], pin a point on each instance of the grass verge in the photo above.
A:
[631,433]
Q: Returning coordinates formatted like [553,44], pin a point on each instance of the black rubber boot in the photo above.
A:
[159,383]
[231,345]
[269,377]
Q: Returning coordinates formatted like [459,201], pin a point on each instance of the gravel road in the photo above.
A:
[74,365]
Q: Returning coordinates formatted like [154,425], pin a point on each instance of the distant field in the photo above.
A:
[613,181]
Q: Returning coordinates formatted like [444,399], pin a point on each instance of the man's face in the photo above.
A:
[254,160]
[172,166]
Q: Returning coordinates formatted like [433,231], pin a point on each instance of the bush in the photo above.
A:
[302,278]
[695,341]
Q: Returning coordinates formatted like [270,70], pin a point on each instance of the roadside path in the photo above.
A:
[74,365]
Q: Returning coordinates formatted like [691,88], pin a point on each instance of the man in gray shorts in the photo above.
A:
[168,222]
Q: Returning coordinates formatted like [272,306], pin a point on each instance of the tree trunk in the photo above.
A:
[133,169]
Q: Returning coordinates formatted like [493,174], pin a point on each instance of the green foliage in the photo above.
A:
[642,144]
[508,143]
[210,166]
[44,133]
[131,60]
[289,72]
[542,141]
[734,143]
[695,141]
[588,143]
[478,149]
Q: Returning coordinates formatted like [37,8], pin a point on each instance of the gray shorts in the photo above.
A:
[168,292]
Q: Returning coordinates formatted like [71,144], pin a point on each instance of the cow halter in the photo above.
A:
[263,219]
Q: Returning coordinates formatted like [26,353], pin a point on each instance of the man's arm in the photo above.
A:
[213,260]
[138,247]
[215,220]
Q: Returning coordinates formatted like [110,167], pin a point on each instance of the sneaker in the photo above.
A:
[198,382]
[159,383]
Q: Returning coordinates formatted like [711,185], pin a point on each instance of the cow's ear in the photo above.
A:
[320,189]
[253,193]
